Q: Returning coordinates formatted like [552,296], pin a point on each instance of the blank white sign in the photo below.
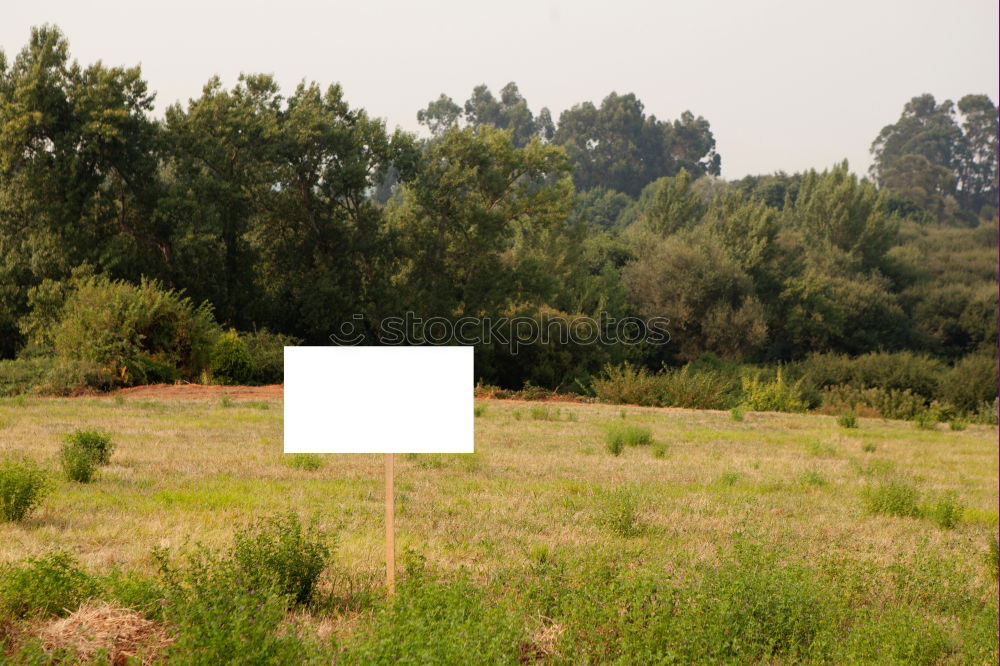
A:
[378,400]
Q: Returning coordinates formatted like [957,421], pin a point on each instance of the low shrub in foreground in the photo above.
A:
[309,462]
[946,511]
[430,622]
[98,443]
[618,512]
[230,361]
[849,420]
[776,395]
[22,487]
[279,550]
[221,616]
[49,585]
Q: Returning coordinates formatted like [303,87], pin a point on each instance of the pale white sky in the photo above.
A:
[785,84]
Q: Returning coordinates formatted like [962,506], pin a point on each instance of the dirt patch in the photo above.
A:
[202,392]
[113,634]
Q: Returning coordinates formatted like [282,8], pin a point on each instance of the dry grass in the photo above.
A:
[188,471]
[104,633]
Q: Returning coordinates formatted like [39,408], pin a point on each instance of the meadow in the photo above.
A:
[577,533]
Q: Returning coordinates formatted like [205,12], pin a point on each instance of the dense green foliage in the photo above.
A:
[22,488]
[127,242]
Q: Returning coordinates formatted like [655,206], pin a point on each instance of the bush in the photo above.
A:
[479,410]
[231,363]
[431,622]
[618,434]
[898,371]
[98,443]
[267,354]
[22,487]
[772,396]
[736,414]
[136,333]
[684,387]
[887,403]
[615,446]
[970,383]
[893,498]
[958,424]
[868,447]
[659,450]
[222,616]
[849,420]
[279,550]
[78,462]
[926,420]
[49,585]
[946,511]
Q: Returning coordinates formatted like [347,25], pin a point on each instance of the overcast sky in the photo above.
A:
[785,84]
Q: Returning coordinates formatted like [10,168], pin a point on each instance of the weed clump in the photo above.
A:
[627,434]
[49,585]
[926,419]
[958,424]
[619,512]
[79,462]
[946,511]
[868,447]
[479,410]
[736,414]
[309,462]
[848,420]
[893,498]
[22,487]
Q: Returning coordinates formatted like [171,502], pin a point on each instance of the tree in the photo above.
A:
[616,145]
[510,112]
[77,173]
[977,173]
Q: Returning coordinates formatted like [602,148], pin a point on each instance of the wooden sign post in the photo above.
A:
[335,403]
[390,530]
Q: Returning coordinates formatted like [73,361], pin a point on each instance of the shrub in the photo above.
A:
[971,382]
[659,450]
[78,462]
[542,414]
[868,447]
[267,354]
[221,616]
[279,550]
[772,396]
[893,498]
[430,622]
[958,424]
[98,443]
[479,410]
[137,333]
[926,420]
[897,371]
[849,420]
[307,461]
[231,363]
[52,584]
[887,403]
[615,446]
[736,414]
[625,434]
[619,512]
[946,511]
[22,488]
[671,387]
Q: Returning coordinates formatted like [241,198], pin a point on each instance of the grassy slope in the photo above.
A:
[188,471]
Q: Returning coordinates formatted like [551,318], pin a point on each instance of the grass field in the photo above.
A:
[770,539]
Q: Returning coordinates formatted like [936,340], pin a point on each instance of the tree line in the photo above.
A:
[294,212]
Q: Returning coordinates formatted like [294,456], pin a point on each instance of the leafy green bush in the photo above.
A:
[893,497]
[615,446]
[479,410]
[279,550]
[887,403]
[22,488]
[889,371]
[772,396]
[849,420]
[926,420]
[136,333]
[617,434]
[52,584]
[431,622]
[222,616]
[970,383]
[98,443]
[267,354]
[78,462]
[231,363]
[659,450]
[946,511]
[684,387]
[958,424]
[736,414]
[307,461]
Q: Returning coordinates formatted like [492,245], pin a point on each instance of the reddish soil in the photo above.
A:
[203,392]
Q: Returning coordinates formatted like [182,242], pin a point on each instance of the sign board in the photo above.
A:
[379,400]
